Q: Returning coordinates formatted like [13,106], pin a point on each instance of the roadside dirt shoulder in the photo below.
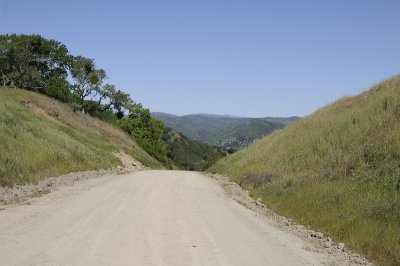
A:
[319,241]
[20,193]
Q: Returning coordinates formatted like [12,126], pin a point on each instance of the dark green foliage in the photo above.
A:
[34,63]
[146,130]
[120,114]
[117,100]
[58,89]
[188,154]
[88,82]
[126,125]
[169,147]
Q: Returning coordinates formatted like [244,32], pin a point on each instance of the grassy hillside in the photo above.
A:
[188,154]
[223,131]
[337,170]
[42,137]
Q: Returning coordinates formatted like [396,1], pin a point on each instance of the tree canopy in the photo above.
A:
[35,63]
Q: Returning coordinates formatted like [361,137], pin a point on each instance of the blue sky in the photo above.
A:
[244,58]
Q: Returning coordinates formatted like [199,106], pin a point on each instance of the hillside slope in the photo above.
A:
[188,154]
[41,137]
[223,130]
[337,170]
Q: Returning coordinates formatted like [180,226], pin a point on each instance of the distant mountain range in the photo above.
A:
[225,131]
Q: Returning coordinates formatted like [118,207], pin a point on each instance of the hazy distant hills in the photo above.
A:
[223,130]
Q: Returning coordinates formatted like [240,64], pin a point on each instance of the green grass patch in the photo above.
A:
[41,137]
[337,171]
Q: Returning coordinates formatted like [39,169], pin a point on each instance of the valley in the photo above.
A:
[228,132]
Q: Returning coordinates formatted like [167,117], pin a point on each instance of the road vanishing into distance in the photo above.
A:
[145,218]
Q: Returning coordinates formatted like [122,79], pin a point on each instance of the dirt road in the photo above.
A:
[145,218]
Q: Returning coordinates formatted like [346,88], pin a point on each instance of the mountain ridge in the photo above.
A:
[226,131]
[288,118]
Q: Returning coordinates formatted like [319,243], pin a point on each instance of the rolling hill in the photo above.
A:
[223,130]
[188,154]
[336,170]
[41,137]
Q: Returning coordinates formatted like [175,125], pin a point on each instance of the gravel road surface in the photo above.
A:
[145,218]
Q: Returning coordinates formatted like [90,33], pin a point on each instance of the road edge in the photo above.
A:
[318,240]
